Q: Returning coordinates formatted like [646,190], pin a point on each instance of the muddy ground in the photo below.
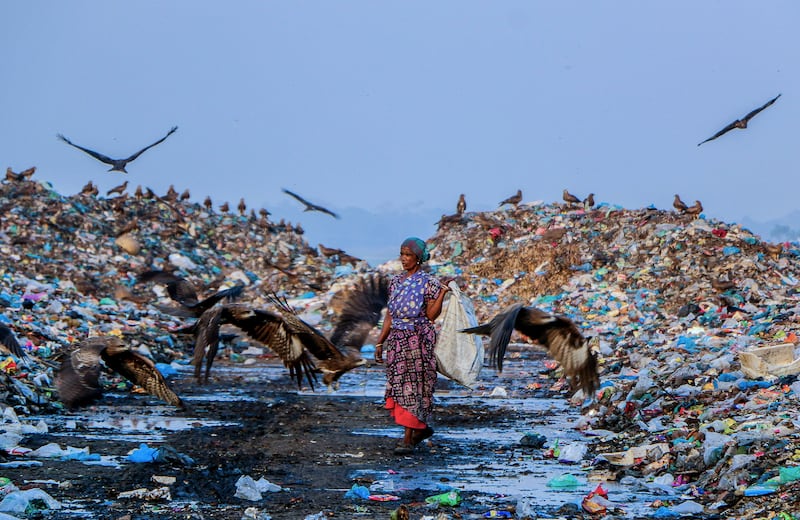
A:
[314,445]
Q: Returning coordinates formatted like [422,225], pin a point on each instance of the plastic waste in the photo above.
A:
[565,480]
[357,492]
[572,453]
[249,489]
[451,498]
[19,501]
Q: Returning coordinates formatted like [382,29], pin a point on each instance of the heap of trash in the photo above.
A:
[695,321]
[696,325]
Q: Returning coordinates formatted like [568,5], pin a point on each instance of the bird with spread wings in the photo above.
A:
[308,205]
[117,165]
[294,340]
[560,335]
[741,123]
[184,293]
[78,378]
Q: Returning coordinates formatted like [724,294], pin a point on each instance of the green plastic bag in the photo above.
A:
[451,498]
[564,481]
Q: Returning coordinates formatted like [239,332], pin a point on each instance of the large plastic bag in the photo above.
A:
[459,356]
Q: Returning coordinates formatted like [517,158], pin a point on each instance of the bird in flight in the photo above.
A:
[117,165]
[741,123]
[78,379]
[560,335]
[310,206]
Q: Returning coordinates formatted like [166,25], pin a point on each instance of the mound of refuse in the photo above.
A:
[673,305]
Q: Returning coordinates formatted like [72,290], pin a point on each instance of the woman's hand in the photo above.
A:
[379,353]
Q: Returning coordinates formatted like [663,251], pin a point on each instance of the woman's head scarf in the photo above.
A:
[418,247]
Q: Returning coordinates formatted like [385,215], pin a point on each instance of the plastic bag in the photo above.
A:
[459,356]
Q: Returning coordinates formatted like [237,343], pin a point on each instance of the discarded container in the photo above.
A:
[770,362]
[451,498]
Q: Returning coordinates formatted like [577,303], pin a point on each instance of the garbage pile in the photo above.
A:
[70,265]
[670,300]
[673,304]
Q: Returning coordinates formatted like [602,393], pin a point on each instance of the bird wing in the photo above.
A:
[271,330]
[206,339]
[78,378]
[759,109]
[8,339]
[140,152]
[361,311]
[100,157]
[725,130]
[229,294]
[178,288]
[324,210]
[137,369]
[297,197]
[499,330]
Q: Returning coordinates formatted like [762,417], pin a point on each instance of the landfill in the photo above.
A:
[672,304]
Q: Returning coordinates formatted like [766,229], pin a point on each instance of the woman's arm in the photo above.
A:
[434,307]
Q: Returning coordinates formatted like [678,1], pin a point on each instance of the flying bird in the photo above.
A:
[283,332]
[513,200]
[118,189]
[358,310]
[9,343]
[741,123]
[310,206]
[561,337]
[78,379]
[184,292]
[569,198]
[117,165]
[461,205]
[678,204]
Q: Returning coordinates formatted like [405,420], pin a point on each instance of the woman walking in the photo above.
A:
[408,335]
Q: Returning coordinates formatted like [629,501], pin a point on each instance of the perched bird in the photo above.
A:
[89,189]
[224,207]
[461,206]
[117,165]
[588,202]
[569,198]
[264,213]
[309,206]
[774,250]
[184,292]
[449,219]
[741,123]
[172,194]
[678,204]
[207,203]
[139,194]
[118,189]
[242,207]
[513,200]
[284,333]
[78,379]
[344,258]
[21,176]
[695,209]
[185,195]
[9,343]
[561,337]
[328,252]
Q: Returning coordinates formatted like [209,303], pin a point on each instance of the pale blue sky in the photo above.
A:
[385,112]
